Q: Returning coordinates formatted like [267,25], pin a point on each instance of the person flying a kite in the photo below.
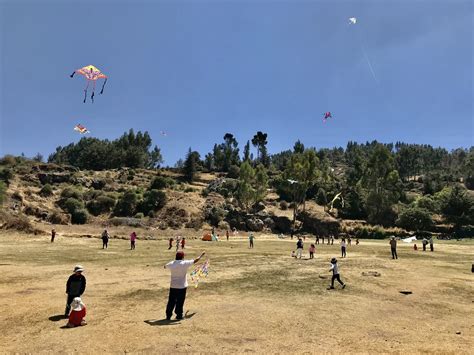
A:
[81,129]
[92,74]
[327,115]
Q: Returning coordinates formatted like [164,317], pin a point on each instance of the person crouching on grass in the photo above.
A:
[78,312]
[178,284]
[335,274]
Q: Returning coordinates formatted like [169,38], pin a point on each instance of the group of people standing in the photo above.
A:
[105,236]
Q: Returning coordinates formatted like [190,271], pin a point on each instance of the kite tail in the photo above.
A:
[103,86]
[85,95]
[74,72]
[92,96]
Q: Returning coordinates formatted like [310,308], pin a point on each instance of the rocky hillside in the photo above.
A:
[49,194]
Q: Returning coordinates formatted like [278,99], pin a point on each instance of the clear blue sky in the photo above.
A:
[199,69]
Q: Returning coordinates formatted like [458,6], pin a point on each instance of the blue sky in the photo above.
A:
[199,69]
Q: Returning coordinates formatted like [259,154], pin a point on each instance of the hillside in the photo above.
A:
[42,196]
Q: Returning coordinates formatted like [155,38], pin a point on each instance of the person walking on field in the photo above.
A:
[183,243]
[105,239]
[335,274]
[53,235]
[312,249]
[251,238]
[343,248]
[332,240]
[431,244]
[424,242]
[393,247]
[133,237]
[170,243]
[299,248]
[227,234]
[75,287]
[317,239]
[178,284]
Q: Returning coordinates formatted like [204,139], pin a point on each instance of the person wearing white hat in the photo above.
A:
[78,312]
[75,287]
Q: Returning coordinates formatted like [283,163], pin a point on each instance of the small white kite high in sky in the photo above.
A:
[352,20]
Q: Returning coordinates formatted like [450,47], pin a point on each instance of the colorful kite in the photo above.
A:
[352,20]
[327,115]
[200,272]
[81,129]
[92,74]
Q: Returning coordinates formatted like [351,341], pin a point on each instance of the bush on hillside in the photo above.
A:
[72,204]
[100,205]
[6,174]
[234,172]
[79,216]
[321,198]
[127,204]
[415,218]
[71,192]
[153,200]
[283,205]
[161,182]
[46,190]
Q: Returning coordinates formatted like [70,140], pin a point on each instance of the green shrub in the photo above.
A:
[139,215]
[127,204]
[428,203]
[234,172]
[6,174]
[2,192]
[102,204]
[321,198]
[153,200]
[161,182]
[79,216]
[71,192]
[215,215]
[415,218]
[46,190]
[72,204]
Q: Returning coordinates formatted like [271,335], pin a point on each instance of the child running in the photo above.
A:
[335,274]
[312,249]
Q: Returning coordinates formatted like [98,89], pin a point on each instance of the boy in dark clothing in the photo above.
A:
[393,247]
[53,235]
[75,287]
[105,239]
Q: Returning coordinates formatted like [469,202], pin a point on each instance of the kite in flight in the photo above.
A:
[352,20]
[163,133]
[327,115]
[81,129]
[337,197]
[92,74]
[292,181]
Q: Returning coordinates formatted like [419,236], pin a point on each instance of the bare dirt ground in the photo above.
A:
[259,300]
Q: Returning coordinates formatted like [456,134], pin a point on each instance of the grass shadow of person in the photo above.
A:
[162,322]
[57,317]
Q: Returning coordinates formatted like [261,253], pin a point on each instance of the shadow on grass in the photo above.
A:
[164,322]
[57,317]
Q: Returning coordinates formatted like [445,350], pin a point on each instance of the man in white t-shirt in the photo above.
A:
[179,283]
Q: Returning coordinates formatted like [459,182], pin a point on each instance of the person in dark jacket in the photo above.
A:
[75,287]
[105,239]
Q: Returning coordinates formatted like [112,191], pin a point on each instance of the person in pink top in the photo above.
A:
[312,249]
[133,237]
